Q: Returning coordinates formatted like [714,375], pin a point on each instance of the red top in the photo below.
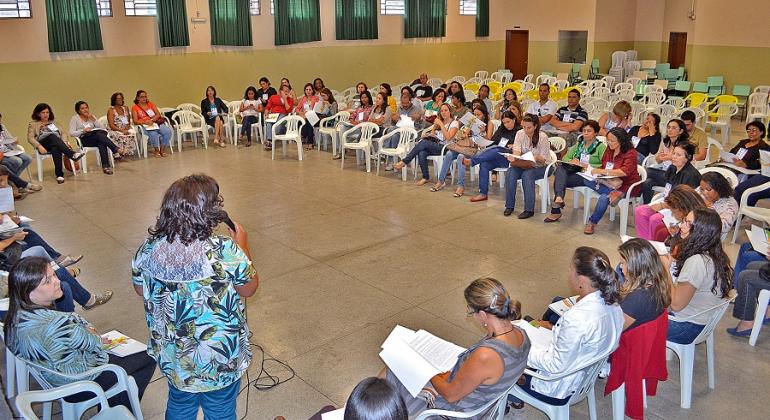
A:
[276,106]
[641,355]
[304,100]
[627,163]
[142,117]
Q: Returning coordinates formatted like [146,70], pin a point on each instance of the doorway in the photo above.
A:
[517,52]
[677,49]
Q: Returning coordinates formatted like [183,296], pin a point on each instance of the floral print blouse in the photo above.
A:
[197,323]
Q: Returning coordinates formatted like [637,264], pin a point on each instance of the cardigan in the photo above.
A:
[206,108]
[625,161]
[688,175]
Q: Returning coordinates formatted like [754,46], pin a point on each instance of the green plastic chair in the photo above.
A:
[716,85]
[680,73]
[741,91]
[661,68]
[700,87]
[594,71]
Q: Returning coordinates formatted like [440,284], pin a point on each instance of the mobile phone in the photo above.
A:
[229,222]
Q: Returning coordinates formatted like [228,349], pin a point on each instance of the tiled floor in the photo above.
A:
[344,256]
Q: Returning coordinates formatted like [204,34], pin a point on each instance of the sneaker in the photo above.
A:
[99,299]
[33,187]
[337,156]
[69,260]
[60,180]
[389,167]
[76,157]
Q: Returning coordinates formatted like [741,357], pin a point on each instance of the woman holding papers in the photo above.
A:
[249,108]
[45,137]
[361,114]
[325,106]
[589,329]
[214,111]
[151,122]
[491,158]
[751,160]
[703,275]
[119,125]
[432,143]
[614,177]
[432,106]
[531,154]
[60,341]
[306,104]
[752,281]
[587,152]
[656,174]
[650,219]
[489,367]
[13,158]
[472,136]
[91,133]
[646,290]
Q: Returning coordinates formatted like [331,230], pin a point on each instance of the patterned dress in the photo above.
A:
[198,331]
[127,142]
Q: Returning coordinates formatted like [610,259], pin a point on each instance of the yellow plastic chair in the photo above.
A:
[718,100]
[696,99]
[558,96]
[474,87]
[532,94]
[516,86]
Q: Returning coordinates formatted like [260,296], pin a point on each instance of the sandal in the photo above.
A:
[107,171]
[74,271]
[99,299]
[589,229]
[459,192]
[554,217]
[438,187]
[422,182]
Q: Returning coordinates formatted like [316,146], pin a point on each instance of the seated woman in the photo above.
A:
[487,368]
[381,115]
[31,323]
[279,106]
[490,158]
[292,94]
[119,123]
[372,399]
[388,91]
[703,275]
[587,152]
[747,255]
[749,284]
[466,146]
[646,290]
[249,109]
[647,136]
[620,116]
[318,86]
[528,140]
[457,102]
[618,163]
[509,99]
[361,87]
[93,134]
[455,87]
[45,137]
[15,160]
[483,95]
[214,111]
[306,104]
[412,97]
[443,130]
[361,114]
[660,173]
[432,106]
[151,122]
[680,201]
[590,328]
[325,107]
[748,150]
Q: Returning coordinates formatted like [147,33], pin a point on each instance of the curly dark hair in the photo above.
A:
[705,238]
[40,108]
[718,183]
[191,209]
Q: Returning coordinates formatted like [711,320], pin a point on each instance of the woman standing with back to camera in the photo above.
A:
[192,282]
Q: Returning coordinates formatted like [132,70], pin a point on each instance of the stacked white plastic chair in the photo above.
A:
[616,70]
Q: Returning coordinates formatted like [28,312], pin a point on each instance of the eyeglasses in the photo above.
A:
[754,129]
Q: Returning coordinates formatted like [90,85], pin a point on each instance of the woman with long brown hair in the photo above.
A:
[646,290]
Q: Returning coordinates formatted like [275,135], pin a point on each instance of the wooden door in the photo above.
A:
[677,49]
[516,52]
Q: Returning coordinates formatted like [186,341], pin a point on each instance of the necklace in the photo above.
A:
[494,334]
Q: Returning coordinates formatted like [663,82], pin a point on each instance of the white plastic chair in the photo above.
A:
[757,107]
[406,140]
[585,389]
[558,144]
[724,113]
[561,84]
[188,107]
[39,160]
[677,103]
[481,74]
[103,122]
[756,213]
[87,150]
[368,130]
[709,159]
[686,352]
[435,82]
[293,133]
[188,122]
[25,400]
[759,315]
[75,410]
[328,127]
[700,115]
[625,205]
[496,408]
[728,174]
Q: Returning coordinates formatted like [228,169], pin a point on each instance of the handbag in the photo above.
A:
[523,164]
[463,145]
[68,165]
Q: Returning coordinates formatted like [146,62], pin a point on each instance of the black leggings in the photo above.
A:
[54,145]
[98,138]
[139,365]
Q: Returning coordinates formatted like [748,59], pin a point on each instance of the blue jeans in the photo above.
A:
[421,151]
[246,124]
[752,182]
[488,160]
[528,178]
[161,136]
[746,255]
[33,239]
[73,291]
[16,164]
[683,332]
[602,203]
[217,405]
[269,128]
[15,179]
[449,159]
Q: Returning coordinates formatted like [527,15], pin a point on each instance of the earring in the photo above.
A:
[485,324]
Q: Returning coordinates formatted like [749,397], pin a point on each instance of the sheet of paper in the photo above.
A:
[738,168]
[727,157]
[758,239]
[408,366]
[563,305]
[405,122]
[338,414]
[440,353]
[764,160]
[4,304]
[526,156]
[311,117]
[399,333]
[659,246]
[25,219]
[430,113]
[122,345]
[668,217]
[465,119]
[271,118]
[481,141]
[6,200]
[592,177]
[539,337]
[152,127]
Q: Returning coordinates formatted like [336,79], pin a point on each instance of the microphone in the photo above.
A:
[228,221]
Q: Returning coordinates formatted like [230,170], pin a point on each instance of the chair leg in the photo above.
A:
[273,150]
[368,157]
[47,410]
[759,314]
[40,173]
[592,403]
[623,217]
[735,232]
[342,159]
[710,361]
[10,374]
[619,403]
[686,362]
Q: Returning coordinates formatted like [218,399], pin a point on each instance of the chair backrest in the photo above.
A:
[25,400]
[618,58]
[654,98]
[506,78]
[495,407]
[528,78]
[623,86]
[561,84]
[654,88]
[481,74]
[103,121]
[715,315]
[187,119]
[557,144]
[293,124]
[189,107]
[677,103]
[728,174]
[469,95]
[666,112]
[762,89]
[699,113]
[725,110]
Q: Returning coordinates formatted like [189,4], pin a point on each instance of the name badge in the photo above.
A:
[360,116]
[214,111]
[567,118]
[741,153]
[150,113]
[88,125]
[667,189]
[635,141]
[420,92]
[123,119]
[609,166]
[307,106]
[264,96]
[52,127]
[585,158]
[504,142]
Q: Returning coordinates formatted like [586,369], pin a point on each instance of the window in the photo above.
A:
[573,46]
[15,9]
[104,7]
[141,7]
[256,7]
[391,7]
[468,7]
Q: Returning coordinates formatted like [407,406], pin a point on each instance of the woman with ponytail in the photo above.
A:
[489,367]
[590,328]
